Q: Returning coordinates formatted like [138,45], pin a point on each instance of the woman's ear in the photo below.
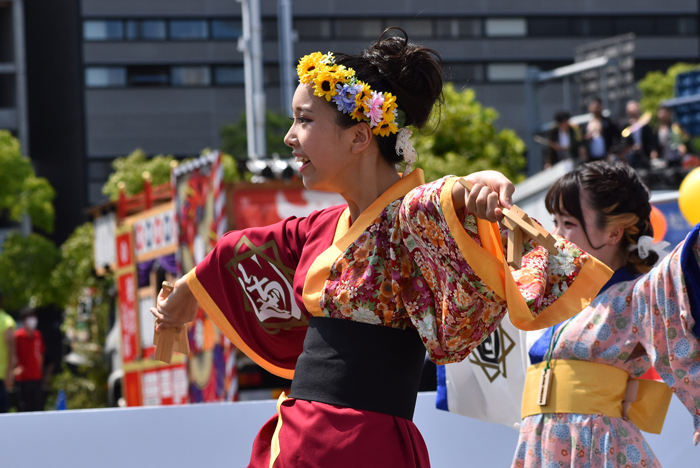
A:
[362,137]
[615,235]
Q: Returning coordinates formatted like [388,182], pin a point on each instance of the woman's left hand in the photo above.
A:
[492,191]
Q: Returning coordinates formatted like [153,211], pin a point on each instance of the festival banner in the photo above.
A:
[200,210]
[164,386]
[489,383]
[254,205]
[126,287]
[145,248]
[155,233]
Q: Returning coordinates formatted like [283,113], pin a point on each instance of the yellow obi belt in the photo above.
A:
[584,387]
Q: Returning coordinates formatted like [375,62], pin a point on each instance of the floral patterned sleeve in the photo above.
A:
[663,320]
[450,304]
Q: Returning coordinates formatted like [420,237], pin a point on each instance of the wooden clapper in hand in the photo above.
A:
[169,340]
[520,228]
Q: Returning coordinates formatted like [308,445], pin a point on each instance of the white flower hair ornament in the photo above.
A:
[405,149]
[646,244]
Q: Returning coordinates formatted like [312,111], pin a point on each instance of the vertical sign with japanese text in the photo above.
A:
[126,286]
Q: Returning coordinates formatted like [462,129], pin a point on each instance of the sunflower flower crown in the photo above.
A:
[352,96]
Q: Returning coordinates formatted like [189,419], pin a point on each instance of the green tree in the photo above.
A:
[234,139]
[466,140]
[21,191]
[657,86]
[26,264]
[73,280]
[130,169]
[34,272]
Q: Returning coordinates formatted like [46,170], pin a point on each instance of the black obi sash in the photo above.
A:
[361,366]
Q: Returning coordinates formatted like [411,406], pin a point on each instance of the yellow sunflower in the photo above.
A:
[308,65]
[389,107]
[361,106]
[385,128]
[324,84]
[343,73]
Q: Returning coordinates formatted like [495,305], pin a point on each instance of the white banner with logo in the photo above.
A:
[488,384]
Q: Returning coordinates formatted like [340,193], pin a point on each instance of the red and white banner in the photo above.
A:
[128,317]
[261,206]
[164,386]
[126,287]
[155,233]
[200,201]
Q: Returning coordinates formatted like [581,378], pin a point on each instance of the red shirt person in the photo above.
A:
[29,373]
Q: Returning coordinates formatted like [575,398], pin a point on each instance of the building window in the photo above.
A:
[601,27]
[415,27]
[639,26]
[269,29]
[455,28]
[687,26]
[190,76]
[271,75]
[105,77]
[506,27]
[446,28]
[549,27]
[187,30]
[506,71]
[358,28]
[148,75]
[226,29]
[229,75]
[469,27]
[464,72]
[312,28]
[103,30]
[146,30]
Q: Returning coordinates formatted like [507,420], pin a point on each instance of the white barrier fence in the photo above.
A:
[221,435]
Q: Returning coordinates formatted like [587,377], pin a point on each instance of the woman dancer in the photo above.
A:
[348,299]
[603,362]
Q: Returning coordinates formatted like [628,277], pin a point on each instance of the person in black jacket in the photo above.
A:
[639,139]
[602,136]
[564,140]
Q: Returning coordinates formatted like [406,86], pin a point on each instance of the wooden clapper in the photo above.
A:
[169,340]
[520,228]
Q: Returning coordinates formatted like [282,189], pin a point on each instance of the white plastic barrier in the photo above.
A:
[221,435]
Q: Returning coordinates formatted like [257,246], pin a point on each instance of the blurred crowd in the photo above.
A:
[22,352]
[660,150]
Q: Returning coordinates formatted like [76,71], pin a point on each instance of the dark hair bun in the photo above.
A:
[410,72]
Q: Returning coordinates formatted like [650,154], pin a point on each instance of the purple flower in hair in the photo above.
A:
[345,97]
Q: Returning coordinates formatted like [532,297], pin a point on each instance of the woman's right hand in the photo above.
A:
[176,309]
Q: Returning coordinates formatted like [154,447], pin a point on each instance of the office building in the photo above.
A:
[165,76]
